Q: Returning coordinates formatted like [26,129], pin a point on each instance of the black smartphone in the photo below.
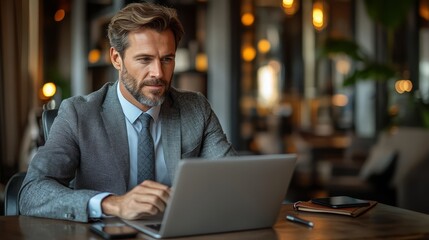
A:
[113,230]
[340,202]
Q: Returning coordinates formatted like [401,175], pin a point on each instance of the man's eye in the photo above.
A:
[167,60]
[144,60]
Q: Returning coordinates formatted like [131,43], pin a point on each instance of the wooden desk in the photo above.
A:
[381,222]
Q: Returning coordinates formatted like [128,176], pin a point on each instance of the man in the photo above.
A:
[95,138]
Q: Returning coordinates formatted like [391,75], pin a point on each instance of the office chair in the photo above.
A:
[11,201]
[48,117]
[11,206]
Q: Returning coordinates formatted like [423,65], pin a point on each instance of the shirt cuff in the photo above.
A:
[94,205]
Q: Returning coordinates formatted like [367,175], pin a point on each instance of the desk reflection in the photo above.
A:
[41,228]
[381,222]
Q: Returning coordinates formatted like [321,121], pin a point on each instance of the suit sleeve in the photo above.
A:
[215,143]
[45,191]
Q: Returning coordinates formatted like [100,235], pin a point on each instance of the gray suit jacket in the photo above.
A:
[88,141]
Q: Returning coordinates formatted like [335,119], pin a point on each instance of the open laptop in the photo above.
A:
[223,195]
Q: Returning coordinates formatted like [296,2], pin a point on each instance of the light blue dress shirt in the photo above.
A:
[134,126]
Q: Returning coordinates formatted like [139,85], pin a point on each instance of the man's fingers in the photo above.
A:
[155,185]
[154,188]
[151,199]
[146,199]
[152,193]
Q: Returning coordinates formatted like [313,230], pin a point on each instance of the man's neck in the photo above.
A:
[127,95]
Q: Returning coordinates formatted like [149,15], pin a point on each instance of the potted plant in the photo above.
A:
[390,15]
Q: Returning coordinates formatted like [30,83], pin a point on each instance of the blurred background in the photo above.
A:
[342,83]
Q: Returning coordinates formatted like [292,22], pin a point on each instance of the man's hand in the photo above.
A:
[146,199]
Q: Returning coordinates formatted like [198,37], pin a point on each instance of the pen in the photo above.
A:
[299,220]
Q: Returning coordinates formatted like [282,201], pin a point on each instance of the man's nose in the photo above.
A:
[156,69]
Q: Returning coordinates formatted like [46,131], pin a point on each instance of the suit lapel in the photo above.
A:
[171,135]
[114,123]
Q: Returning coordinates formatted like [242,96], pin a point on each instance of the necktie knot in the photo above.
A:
[145,120]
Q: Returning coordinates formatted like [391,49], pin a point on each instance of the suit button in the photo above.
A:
[69,216]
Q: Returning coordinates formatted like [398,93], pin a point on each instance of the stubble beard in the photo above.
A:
[134,87]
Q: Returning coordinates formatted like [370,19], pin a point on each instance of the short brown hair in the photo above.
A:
[142,15]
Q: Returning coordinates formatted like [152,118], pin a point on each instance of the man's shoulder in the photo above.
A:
[190,104]
[87,105]
[185,96]
[95,98]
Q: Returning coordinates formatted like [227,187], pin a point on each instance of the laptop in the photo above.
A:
[223,195]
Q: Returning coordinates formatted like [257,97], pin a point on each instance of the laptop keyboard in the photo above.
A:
[154,226]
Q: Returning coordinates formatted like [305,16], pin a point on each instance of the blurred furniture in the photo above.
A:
[395,172]
[329,148]
[380,222]
[11,202]
[358,150]
[11,206]
[414,194]
[411,177]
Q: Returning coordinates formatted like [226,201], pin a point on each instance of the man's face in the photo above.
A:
[146,70]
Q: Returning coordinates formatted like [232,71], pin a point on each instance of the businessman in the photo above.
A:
[100,159]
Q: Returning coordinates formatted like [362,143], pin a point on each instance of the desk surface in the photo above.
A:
[381,222]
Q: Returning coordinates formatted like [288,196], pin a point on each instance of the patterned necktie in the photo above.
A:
[146,151]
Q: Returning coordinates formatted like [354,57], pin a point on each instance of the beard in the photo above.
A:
[135,87]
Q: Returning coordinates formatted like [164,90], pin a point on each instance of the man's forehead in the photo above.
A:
[148,40]
[148,35]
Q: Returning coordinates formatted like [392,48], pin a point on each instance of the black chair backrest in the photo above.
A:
[11,202]
[11,206]
[48,117]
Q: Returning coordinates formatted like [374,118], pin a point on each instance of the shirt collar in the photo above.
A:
[132,112]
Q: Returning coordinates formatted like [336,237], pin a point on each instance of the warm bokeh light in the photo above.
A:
[290,7]
[201,62]
[276,65]
[402,86]
[248,53]
[319,16]
[398,87]
[94,56]
[264,46]
[342,65]
[287,3]
[268,80]
[340,100]
[424,9]
[393,110]
[247,19]
[49,89]
[59,15]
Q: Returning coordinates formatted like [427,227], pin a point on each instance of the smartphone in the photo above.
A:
[340,202]
[113,230]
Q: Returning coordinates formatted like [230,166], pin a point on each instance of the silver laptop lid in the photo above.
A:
[229,194]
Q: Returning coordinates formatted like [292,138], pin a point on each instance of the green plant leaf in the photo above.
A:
[390,13]
[372,71]
[350,48]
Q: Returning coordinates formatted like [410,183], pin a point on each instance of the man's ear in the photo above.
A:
[115,58]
